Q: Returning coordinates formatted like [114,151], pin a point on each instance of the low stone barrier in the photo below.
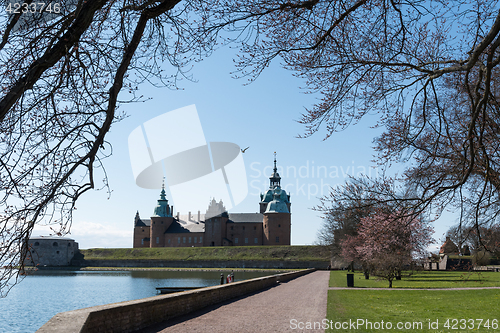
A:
[134,315]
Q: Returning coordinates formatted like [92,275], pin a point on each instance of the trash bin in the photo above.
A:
[350,280]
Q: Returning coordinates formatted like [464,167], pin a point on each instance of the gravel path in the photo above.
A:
[273,310]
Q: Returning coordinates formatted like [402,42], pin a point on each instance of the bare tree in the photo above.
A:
[61,80]
[60,84]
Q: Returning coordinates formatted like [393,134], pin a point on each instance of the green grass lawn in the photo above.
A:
[420,310]
[424,279]
[278,253]
[414,308]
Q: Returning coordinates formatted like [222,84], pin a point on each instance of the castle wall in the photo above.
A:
[158,227]
[215,231]
[186,239]
[277,229]
[244,233]
[140,233]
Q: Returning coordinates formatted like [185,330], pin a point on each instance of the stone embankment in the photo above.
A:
[133,315]
[263,264]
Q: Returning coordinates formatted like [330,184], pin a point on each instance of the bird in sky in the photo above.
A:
[244,150]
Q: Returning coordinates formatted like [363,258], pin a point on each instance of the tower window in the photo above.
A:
[189,240]
[178,240]
[236,241]
[243,228]
[231,228]
[254,228]
[256,240]
[157,240]
[184,239]
[246,240]
[277,239]
[279,225]
[54,244]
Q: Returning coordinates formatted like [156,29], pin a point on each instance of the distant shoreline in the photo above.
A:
[174,269]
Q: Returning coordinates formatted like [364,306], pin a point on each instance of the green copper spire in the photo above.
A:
[274,180]
[162,195]
[162,208]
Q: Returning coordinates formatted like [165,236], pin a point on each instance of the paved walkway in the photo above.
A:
[278,309]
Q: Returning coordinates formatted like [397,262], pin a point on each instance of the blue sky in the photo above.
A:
[261,115]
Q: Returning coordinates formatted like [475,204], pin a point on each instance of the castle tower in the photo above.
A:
[277,220]
[215,224]
[142,232]
[161,220]
[274,182]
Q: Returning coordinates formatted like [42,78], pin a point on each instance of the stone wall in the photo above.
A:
[134,315]
[50,251]
[203,263]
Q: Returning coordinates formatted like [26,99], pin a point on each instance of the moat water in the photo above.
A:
[42,294]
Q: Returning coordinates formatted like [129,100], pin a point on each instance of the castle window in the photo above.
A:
[184,240]
[277,239]
[54,244]
[57,252]
[231,228]
[142,241]
[178,240]
[168,241]
[189,240]
[69,244]
[201,239]
[254,228]
[243,228]
[256,240]
[195,240]
[236,241]
[157,240]
[246,240]
[279,225]
[142,230]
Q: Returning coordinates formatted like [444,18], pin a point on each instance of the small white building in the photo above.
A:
[51,251]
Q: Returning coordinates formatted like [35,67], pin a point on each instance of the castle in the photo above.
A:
[271,226]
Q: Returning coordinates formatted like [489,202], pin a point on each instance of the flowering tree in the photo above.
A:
[388,243]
